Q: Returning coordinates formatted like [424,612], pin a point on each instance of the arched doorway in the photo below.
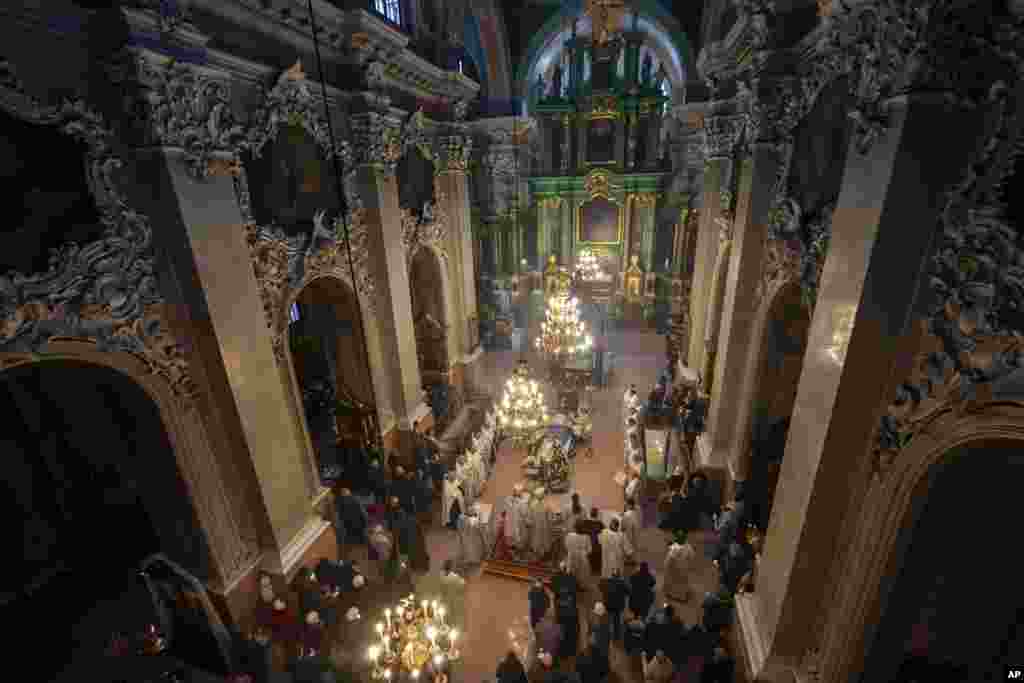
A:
[953,605]
[430,322]
[91,473]
[329,355]
[712,331]
[785,342]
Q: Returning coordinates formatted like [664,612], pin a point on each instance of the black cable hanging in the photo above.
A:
[343,208]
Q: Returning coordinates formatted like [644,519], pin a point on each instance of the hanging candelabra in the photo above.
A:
[563,333]
[412,637]
[522,411]
[588,268]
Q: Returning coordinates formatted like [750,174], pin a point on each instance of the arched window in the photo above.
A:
[666,89]
[295,312]
[390,9]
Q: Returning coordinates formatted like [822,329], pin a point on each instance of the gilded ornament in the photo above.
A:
[597,184]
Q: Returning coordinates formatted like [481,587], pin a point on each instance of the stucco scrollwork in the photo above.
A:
[191,111]
[970,336]
[104,291]
[291,102]
[429,228]
[798,244]
[376,142]
[721,135]
[891,47]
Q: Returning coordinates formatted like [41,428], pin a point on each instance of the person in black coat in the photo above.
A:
[721,668]
[729,526]
[568,617]
[511,670]
[641,591]
[718,613]
[593,526]
[664,631]
[734,565]
[615,592]
[564,583]
[634,635]
[350,520]
[539,603]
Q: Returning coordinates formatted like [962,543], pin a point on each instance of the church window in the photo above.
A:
[665,89]
[295,312]
[461,69]
[390,10]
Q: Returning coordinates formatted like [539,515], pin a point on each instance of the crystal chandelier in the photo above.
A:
[587,267]
[522,410]
[563,333]
[412,637]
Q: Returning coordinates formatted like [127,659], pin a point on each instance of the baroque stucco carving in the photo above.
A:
[284,264]
[191,111]
[430,228]
[970,336]
[797,246]
[721,135]
[104,291]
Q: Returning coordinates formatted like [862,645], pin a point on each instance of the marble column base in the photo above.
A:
[758,662]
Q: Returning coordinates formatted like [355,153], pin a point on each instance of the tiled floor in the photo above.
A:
[496,608]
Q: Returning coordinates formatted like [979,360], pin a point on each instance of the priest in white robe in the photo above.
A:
[451,498]
[614,550]
[631,525]
[577,549]
[540,527]
[517,518]
[471,540]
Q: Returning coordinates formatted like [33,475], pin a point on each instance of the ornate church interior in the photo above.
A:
[544,341]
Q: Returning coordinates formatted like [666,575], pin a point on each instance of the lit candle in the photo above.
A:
[454,635]
[387,644]
[374,654]
[387,614]
[387,674]
[424,606]
[432,635]
[415,674]
[380,629]
[441,613]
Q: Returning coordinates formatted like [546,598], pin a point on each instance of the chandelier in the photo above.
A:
[563,333]
[522,410]
[587,267]
[412,637]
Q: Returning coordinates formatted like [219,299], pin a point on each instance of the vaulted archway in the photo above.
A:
[949,614]
[428,292]
[328,350]
[93,473]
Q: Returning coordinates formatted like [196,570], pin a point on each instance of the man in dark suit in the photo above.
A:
[615,591]
[593,527]
[539,603]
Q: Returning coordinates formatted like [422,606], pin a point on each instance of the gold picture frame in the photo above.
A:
[621,220]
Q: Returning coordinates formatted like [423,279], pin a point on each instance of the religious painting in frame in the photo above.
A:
[599,221]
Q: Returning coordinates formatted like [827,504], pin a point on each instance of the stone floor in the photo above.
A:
[496,608]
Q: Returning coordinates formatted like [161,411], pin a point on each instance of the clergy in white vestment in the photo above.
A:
[450,495]
[471,540]
[630,525]
[577,549]
[679,561]
[540,527]
[517,518]
[574,511]
[614,549]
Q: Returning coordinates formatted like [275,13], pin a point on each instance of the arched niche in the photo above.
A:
[290,179]
[96,470]
[429,314]
[884,524]
[950,613]
[330,372]
[781,354]
[51,204]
